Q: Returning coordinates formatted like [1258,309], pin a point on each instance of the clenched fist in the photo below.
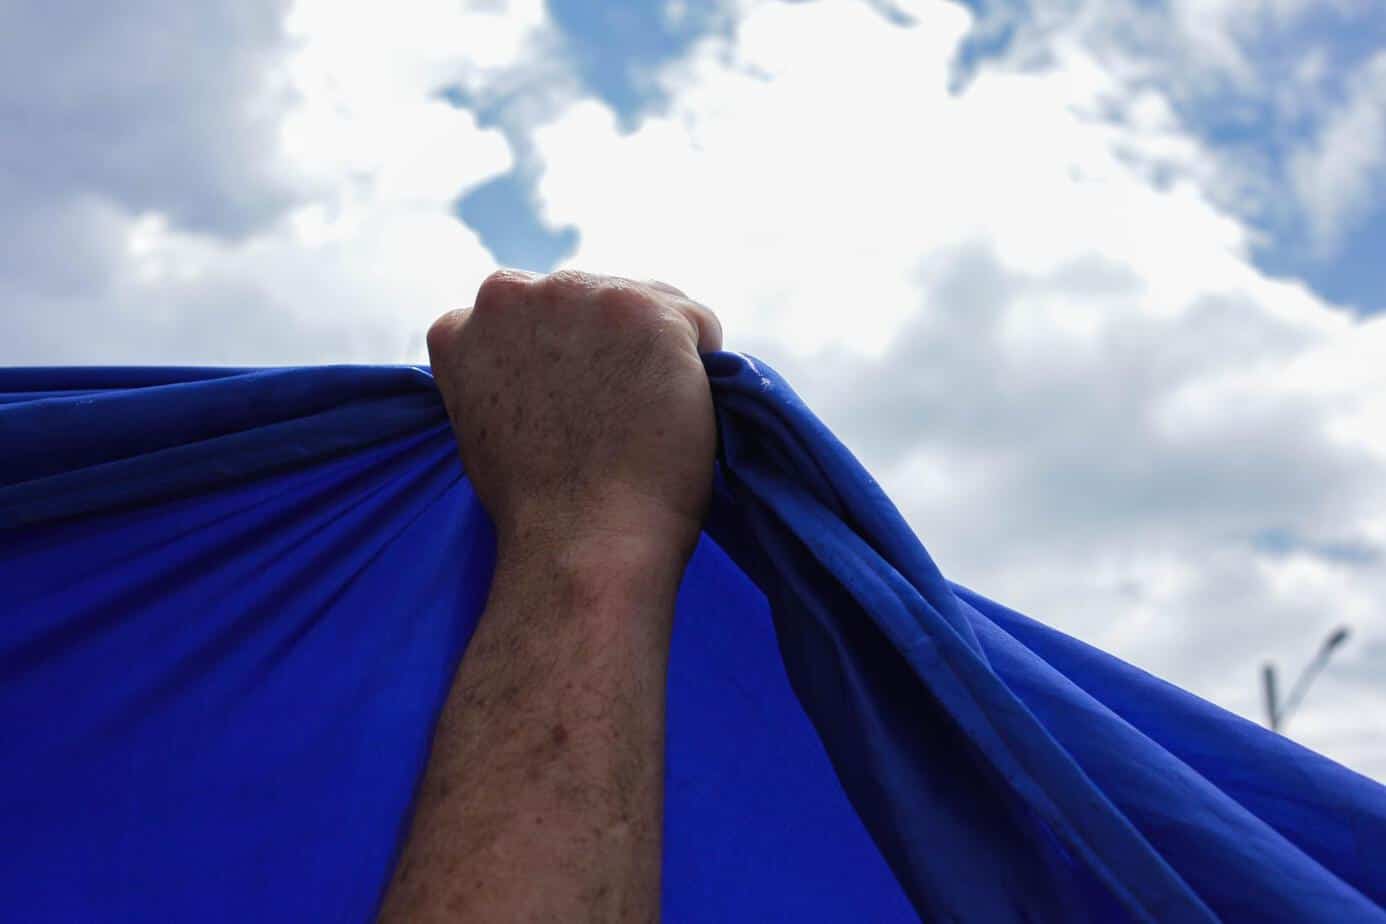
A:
[581,407]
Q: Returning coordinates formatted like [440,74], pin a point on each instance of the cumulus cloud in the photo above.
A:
[1083,394]
[1336,173]
[1289,119]
[149,105]
[1014,297]
[246,183]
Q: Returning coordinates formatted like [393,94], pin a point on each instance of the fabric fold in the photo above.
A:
[233,601]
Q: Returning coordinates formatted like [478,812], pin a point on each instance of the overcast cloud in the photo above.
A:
[1023,279]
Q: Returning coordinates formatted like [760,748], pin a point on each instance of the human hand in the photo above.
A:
[582,410]
[584,420]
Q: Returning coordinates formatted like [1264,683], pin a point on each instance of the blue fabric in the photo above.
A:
[233,600]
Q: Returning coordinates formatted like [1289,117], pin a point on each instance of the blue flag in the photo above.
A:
[232,602]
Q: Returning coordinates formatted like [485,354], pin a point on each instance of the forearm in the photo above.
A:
[543,795]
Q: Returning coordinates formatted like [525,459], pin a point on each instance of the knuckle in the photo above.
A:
[570,279]
[501,287]
[569,287]
[619,302]
[442,333]
[663,286]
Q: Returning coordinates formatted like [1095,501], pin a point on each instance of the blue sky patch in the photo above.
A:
[613,46]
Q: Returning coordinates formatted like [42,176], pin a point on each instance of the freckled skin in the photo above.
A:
[584,421]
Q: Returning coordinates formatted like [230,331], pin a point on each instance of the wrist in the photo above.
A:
[599,568]
[614,530]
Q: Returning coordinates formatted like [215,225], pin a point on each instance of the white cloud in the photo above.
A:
[1337,172]
[146,104]
[1285,145]
[351,263]
[1082,393]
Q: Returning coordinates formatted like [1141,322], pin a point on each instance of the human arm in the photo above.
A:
[585,423]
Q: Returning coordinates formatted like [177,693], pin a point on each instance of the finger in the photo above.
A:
[705,324]
[443,333]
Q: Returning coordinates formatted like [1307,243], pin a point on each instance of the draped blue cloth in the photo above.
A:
[232,602]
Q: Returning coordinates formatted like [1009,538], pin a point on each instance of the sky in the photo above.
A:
[1094,288]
